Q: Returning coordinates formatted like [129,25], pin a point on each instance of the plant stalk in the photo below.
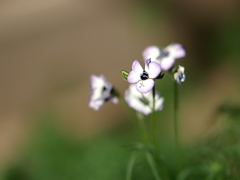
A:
[176,130]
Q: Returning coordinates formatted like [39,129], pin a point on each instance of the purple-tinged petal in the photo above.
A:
[154,70]
[133,99]
[93,80]
[147,62]
[102,77]
[137,68]
[145,86]
[96,104]
[142,103]
[176,50]
[114,100]
[101,91]
[133,77]
[96,81]
[167,63]
[152,52]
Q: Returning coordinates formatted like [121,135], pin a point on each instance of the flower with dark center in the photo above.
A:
[101,91]
[144,78]
[144,75]
[179,75]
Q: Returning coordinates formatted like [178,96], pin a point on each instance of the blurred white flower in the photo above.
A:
[101,91]
[142,103]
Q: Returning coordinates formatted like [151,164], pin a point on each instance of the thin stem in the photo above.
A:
[142,128]
[159,161]
[131,165]
[154,123]
[161,164]
[153,96]
[153,165]
[176,133]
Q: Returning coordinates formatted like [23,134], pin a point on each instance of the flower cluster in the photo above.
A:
[139,96]
[144,99]
[164,56]
[156,59]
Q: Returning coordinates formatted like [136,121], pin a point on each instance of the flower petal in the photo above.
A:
[152,52]
[133,77]
[145,86]
[101,91]
[142,104]
[137,68]
[176,50]
[167,63]
[96,104]
[179,75]
[96,81]
[133,99]
[114,100]
[154,70]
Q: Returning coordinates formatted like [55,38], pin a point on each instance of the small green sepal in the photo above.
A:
[124,74]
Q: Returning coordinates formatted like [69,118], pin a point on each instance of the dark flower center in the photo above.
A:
[164,53]
[144,75]
[112,93]
[104,89]
[143,101]
[181,77]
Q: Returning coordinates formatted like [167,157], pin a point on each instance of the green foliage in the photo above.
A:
[218,156]
[54,156]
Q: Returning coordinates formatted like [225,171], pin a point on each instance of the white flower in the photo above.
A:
[101,91]
[179,75]
[164,56]
[142,102]
[144,78]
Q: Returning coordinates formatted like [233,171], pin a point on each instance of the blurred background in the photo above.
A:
[49,49]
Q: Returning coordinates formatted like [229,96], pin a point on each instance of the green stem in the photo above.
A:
[162,167]
[153,165]
[142,128]
[176,133]
[159,161]
[154,123]
[153,96]
[131,165]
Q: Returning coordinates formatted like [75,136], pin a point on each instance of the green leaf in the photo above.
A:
[153,165]
[131,164]
[124,74]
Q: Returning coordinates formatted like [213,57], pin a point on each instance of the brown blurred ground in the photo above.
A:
[48,49]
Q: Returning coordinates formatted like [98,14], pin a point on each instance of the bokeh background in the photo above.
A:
[49,49]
